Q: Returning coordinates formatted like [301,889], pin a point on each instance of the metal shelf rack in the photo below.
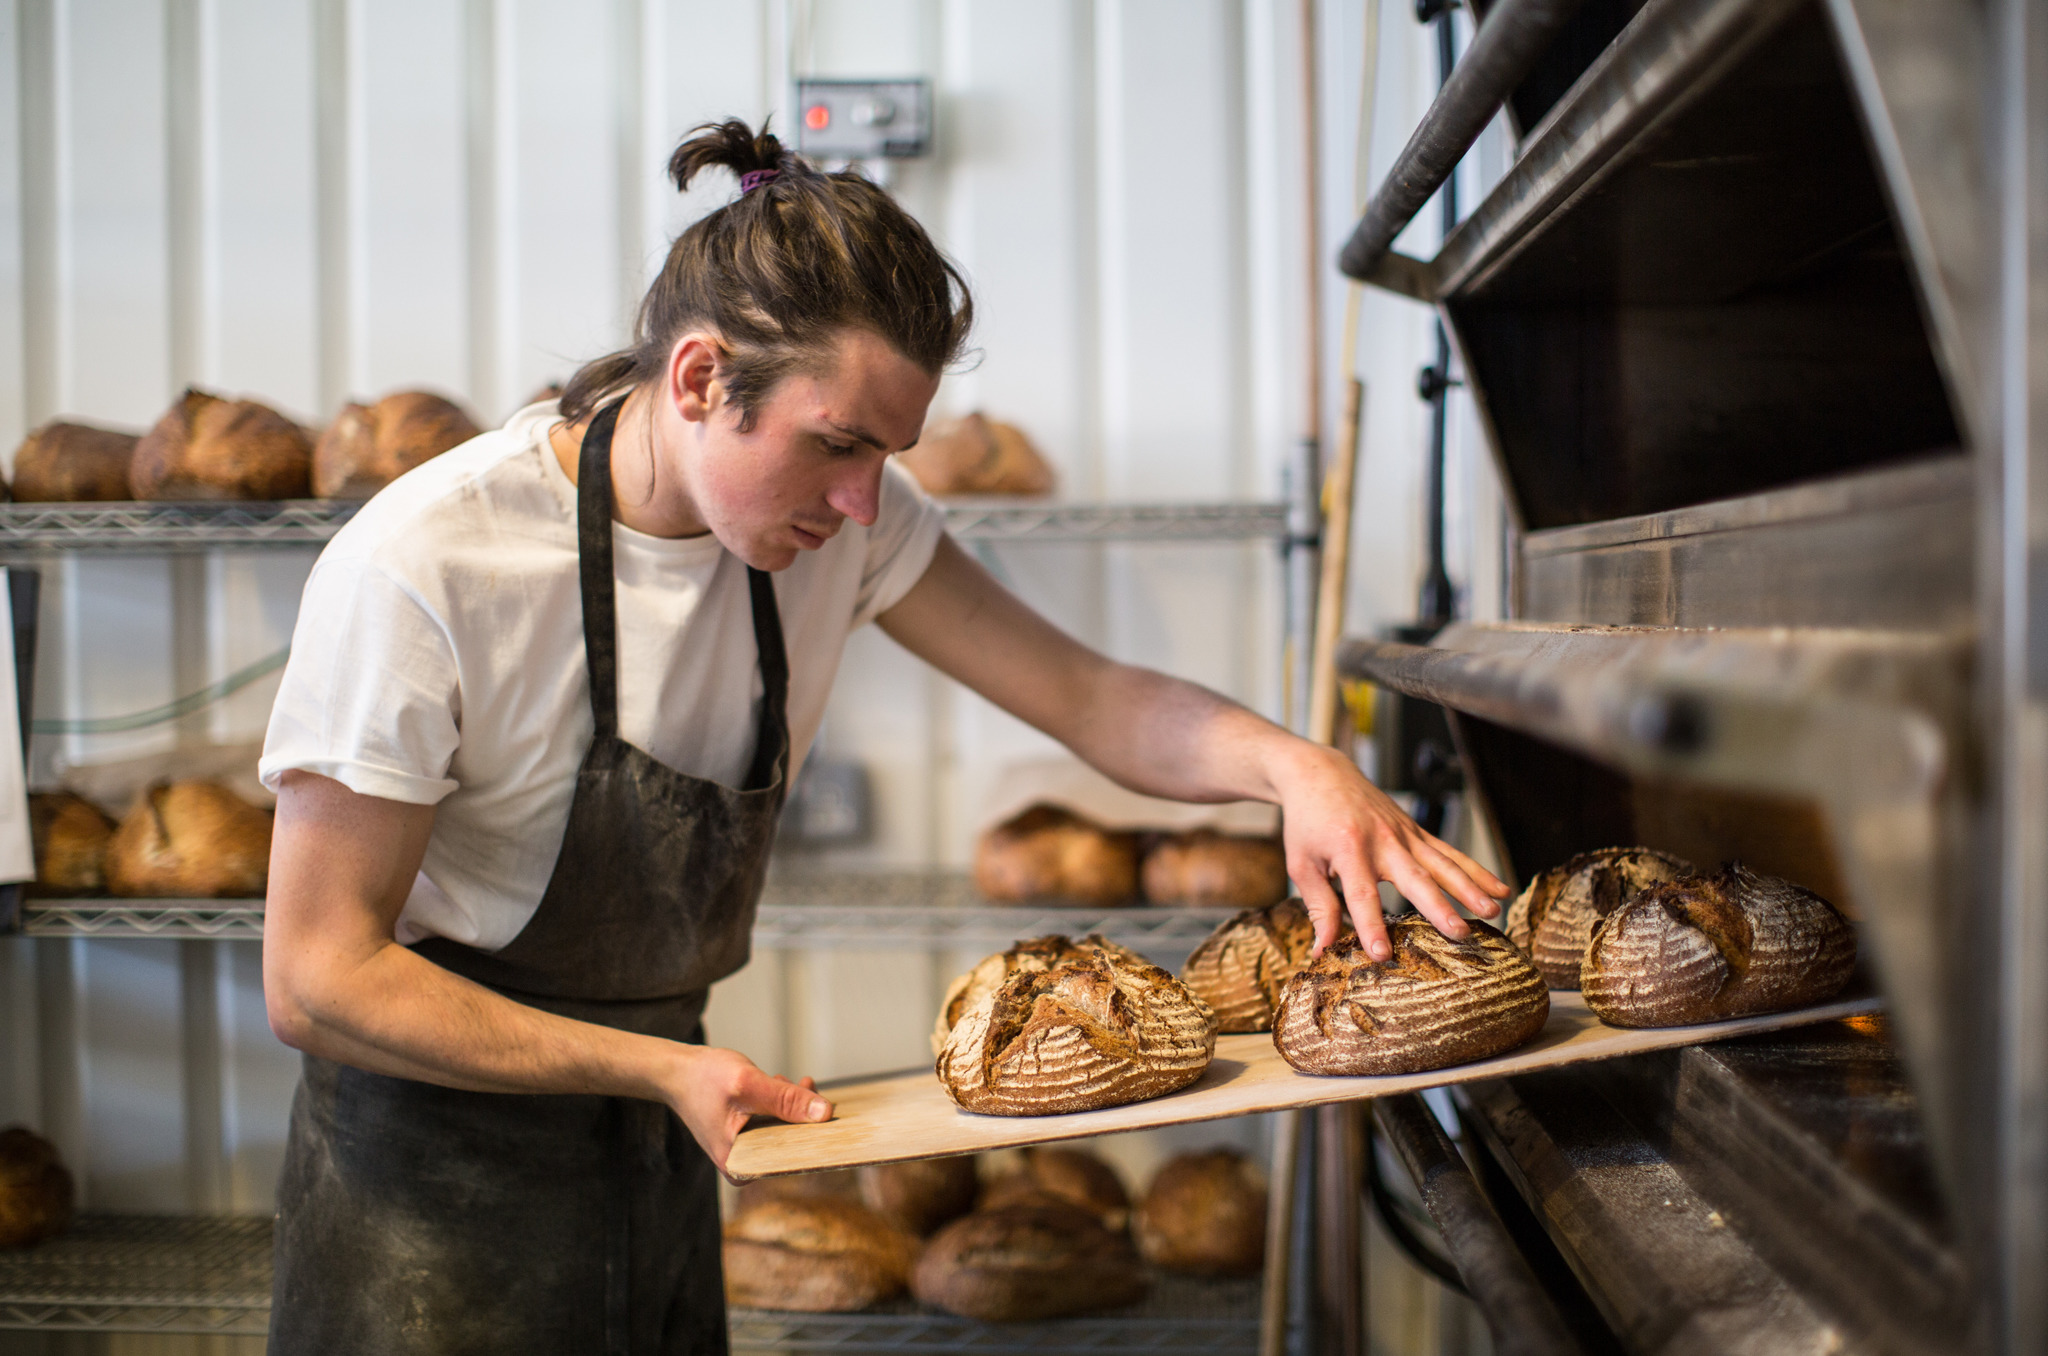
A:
[211,1274]
[871,911]
[135,527]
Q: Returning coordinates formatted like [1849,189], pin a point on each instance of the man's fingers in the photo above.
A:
[1440,865]
[1323,907]
[1417,888]
[1493,885]
[784,1100]
[1362,900]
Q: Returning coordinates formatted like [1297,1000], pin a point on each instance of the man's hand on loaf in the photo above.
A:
[1340,826]
[718,1091]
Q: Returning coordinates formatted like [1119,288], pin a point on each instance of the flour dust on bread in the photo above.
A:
[1027,1262]
[1553,919]
[1241,968]
[1098,1030]
[1732,944]
[1434,1003]
[817,1254]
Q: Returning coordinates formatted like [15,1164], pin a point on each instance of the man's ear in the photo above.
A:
[693,386]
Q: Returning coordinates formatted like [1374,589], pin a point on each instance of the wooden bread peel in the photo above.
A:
[907,1116]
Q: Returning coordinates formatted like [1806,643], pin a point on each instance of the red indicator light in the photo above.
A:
[817,117]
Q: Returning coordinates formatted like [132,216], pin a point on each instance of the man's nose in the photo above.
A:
[858,494]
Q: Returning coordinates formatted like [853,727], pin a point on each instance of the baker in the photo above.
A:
[545,697]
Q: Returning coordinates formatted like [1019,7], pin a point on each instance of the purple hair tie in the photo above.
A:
[753,179]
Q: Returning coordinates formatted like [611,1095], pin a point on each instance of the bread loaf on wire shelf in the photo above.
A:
[1552,920]
[1435,1003]
[1098,1030]
[1732,944]
[1208,869]
[62,462]
[1062,1176]
[1204,1215]
[36,1192]
[207,447]
[1240,969]
[1050,854]
[70,836]
[369,446]
[921,1195]
[816,1254]
[192,839]
[1028,1262]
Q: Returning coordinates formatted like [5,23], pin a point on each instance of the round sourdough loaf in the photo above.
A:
[190,840]
[205,447]
[817,1254]
[1046,853]
[1553,919]
[1241,967]
[1707,948]
[920,1196]
[1099,1030]
[1035,956]
[1435,1003]
[35,1189]
[977,455]
[1205,1215]
[70,835]
[62,462]
[1068,1176]
[369,446]
[1215,870]
[1027,1262]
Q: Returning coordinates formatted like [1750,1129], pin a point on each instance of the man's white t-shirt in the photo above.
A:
[438,660]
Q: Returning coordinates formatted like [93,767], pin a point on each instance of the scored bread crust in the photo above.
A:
[816,1254]
[1204,1215]
[1032,956]
[1208,869]
[1435,1003]
[1552,920]
[1027,1262]
[1097,1031]
[1732,944]
[1241,968]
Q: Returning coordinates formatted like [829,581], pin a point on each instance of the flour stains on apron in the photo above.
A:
[414,1218]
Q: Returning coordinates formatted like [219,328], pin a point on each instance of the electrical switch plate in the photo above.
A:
[863,119]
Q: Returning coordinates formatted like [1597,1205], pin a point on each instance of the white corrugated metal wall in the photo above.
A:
[308,200]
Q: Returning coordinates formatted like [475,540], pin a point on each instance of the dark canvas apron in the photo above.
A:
[414,1218]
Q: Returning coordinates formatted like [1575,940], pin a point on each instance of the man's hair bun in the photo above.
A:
[730,145]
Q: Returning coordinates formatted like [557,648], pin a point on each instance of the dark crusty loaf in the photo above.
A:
[1205,1215]
[1068,1176]
[920,1196]
[1707,948]
[64,462]
[369,446]
[70,835]
[817,1254]
[1035,955]
[1027,1262]
[190,839]
[977,455]
[1216,870]
[35,1189]
[1096,1031]
[1552,920]
[1435,1003]
[1241,967]
[1047,853]
[206,447]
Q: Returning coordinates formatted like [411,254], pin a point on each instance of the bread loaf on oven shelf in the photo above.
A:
[193,839]
[208,447]
[1098,1030]
[70,835]
[1552,920]
[1217,870]
[816,1254]
[1067,1176]
[977,455]
[1204,1215]
[1050,854]
[369,446]
[1711,947]
[1240,969]
[921,1195]
[35,1189]
[1435,1003]
[63,462]
[1028,1262]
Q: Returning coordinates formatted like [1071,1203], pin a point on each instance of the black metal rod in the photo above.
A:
[1518,1311]
[1507,45]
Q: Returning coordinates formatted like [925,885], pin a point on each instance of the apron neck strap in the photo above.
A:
[601,611]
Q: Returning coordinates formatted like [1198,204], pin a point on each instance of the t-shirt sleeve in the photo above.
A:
[371,694]
[907,529]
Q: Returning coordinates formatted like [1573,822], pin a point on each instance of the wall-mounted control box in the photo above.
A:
[863,119]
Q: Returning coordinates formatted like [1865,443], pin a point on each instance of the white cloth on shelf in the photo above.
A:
[17,850]
[438,660]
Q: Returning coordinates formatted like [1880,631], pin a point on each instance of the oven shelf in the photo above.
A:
[803,912]
[211,1274]
[42,529]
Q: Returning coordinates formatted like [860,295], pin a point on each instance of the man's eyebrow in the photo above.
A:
[858,434]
